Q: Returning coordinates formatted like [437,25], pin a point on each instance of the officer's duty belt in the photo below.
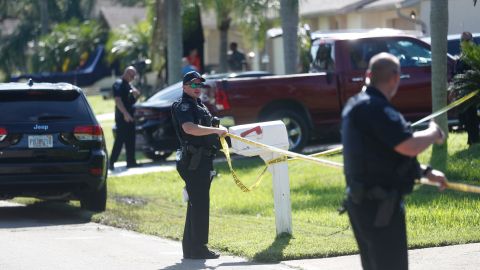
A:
[196,153]
[387,201]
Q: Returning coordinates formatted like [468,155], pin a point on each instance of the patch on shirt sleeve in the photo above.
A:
[184,107]
[392,114]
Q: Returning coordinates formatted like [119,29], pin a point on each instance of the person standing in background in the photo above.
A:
[236,60]
[125,96]
[194,60]
[469,115]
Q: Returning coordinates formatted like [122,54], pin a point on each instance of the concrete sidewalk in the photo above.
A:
[458,257]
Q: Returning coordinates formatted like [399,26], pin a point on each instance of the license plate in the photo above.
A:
[40,141]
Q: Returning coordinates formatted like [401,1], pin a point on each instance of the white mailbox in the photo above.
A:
[274,134]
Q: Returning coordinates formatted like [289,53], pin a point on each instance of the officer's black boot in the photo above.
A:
[203,253]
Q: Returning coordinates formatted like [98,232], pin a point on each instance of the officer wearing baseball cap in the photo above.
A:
[198,136]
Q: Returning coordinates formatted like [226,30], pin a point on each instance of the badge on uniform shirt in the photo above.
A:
[392,114]
[184,107]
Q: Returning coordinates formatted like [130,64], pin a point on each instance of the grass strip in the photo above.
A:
[243,223]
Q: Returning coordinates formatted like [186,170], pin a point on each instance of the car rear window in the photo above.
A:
[42,106]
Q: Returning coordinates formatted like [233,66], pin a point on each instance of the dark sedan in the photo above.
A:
[156,137]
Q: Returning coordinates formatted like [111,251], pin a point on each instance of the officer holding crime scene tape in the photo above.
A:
[195,128]
[380,152]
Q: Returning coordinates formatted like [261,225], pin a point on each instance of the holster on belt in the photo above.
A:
[195,154]
[386,200]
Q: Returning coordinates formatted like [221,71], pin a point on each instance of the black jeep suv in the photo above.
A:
[51,145]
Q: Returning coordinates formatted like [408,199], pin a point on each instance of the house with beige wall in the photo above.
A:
[400,14]
[327,15]
[346,14]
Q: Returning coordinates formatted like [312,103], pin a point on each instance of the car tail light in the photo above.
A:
[3,133]
[146,114]
[96,171]
[88,133]
[221,100]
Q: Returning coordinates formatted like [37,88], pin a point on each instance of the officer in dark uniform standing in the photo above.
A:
[199,143]
[125,96]
[380,152]
[468,114]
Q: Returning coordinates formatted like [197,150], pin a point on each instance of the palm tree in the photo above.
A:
[68,45]
[44,16]
[289,16]
[469,81]
[174,41]
[35,17]
[129,45]
[224,10]
[439,31]
[229,11]
[158,42]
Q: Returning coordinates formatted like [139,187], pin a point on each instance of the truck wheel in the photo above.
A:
[157,157]
[297,129]
[94,200]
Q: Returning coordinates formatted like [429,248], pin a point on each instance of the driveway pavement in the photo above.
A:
[52,236]
[56,236]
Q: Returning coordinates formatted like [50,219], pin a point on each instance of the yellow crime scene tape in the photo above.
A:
[314,157]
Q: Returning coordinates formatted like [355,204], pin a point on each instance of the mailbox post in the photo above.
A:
[272,133]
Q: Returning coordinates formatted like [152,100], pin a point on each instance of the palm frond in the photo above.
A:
[469,80]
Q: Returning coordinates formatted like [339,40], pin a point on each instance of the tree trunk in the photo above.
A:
[174,41]
[158,41]
[439,31]
[44,17]
[224,27]
[289,16]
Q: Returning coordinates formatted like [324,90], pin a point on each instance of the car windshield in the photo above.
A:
[39,106]
[172,92]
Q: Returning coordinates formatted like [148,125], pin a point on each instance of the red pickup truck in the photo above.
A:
[310,104]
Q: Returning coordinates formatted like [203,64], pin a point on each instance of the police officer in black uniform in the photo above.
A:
[125,96]
[380,152]
[468,114]
[199,143]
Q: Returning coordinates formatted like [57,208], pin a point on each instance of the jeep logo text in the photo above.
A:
[38,127]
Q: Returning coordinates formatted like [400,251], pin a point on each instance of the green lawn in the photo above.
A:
[243,223]
[101,106]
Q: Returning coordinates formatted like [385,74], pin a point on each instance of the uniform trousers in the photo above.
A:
[472,122]
[125,135]
[380,248]
[197,182]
